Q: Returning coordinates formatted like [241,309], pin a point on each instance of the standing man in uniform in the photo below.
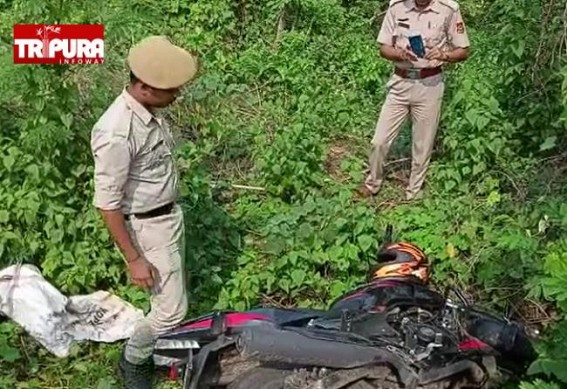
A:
[417,85]
[136,187]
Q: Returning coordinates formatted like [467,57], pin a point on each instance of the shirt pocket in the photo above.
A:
[155,162]
[401,33]
[436,35]
[161,158]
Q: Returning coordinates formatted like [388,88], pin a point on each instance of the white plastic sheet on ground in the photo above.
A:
[57,321]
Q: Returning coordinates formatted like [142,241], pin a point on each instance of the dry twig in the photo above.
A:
[401,160]
[246,187]
[281,25]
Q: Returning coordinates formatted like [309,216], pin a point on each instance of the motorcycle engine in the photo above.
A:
[425,334]
[420,331]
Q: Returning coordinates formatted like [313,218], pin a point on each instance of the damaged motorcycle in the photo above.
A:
[393,332]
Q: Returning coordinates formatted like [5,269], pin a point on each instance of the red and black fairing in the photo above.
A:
[357,327]
[372,298]
[198,332]
[388,294]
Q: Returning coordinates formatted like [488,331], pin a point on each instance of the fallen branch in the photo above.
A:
[520,192]
[246,187]
[270,301]
[563,40]
[394,162]
[547,15]
[377,15]
[397,161]
[553,158]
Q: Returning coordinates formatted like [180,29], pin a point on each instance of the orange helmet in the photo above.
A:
[401,260]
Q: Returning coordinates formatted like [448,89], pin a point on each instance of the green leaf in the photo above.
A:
[450,184]
[106,383]
[81,366]
[304,231]
[337,289]
[340,222]
[67,120]
[33,171]
[519,48]
[298,277]
[482,122]
[9,161]
[479,168]
[10,235]
[548,144]
[284,284]
[557,368]
[9,353]
[59,219]
[471,116]
[365,242]
[493,198]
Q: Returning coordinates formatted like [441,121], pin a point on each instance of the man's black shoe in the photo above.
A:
[136,376]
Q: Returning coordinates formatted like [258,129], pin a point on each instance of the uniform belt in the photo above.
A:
[160,211]
[417,74]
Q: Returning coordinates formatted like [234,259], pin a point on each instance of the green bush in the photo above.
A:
[274,137]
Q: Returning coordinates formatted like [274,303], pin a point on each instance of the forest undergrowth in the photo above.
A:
[274,137]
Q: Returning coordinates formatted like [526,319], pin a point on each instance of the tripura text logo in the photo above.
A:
[64,44]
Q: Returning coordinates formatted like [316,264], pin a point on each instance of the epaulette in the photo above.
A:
[451,4]
[392,2]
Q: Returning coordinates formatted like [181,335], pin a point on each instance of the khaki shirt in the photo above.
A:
[133,158]
[440,24]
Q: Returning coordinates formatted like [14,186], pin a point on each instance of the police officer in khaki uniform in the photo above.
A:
[416,88]
[136,188]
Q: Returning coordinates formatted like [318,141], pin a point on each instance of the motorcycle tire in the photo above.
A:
[260,378]
[267,378]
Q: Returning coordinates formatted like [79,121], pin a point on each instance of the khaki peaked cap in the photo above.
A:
[160,64]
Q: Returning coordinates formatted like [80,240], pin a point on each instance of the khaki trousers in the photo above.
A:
[162,241]
[422,99]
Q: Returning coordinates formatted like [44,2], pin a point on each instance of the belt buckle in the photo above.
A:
[414,74]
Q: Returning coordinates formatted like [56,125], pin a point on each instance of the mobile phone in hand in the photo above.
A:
[417,45]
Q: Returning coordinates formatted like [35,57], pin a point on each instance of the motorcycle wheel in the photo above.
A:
[267,378]
[260,378]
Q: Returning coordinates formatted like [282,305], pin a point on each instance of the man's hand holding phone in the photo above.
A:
[435,54]
[407,55]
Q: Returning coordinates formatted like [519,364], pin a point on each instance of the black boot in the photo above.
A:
[137,376]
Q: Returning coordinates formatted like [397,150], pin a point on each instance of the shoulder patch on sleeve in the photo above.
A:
[451,4]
